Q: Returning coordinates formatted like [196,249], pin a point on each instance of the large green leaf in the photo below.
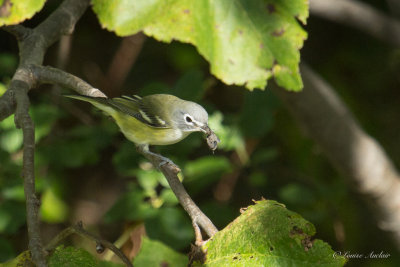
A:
[16,11]
[267,234]
[155,254]
[71,257]
[246,42]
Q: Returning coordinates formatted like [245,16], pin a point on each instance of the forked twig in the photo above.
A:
[100,243]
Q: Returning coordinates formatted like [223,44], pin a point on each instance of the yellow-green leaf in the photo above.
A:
[267,234]
[246,42]
[15,11]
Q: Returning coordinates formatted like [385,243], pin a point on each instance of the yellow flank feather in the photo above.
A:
[140,133]
[133,129]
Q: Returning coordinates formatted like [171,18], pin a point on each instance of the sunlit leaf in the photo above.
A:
[70,256]
[16,11]
[23,259]
[267,234]
[246,42]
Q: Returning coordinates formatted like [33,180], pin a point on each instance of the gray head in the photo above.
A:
[191,117]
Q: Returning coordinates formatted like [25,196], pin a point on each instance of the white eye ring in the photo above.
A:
[188,119]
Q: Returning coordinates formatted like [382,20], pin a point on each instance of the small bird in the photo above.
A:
[158,119]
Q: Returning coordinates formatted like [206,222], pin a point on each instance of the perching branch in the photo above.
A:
[33,44]
[324,116]
[170,171]
[100,243]
[360,16]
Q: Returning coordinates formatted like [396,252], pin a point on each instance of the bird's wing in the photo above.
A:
[135,107]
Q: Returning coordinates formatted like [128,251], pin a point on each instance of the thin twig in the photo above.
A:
[79,230]
[47,74]
[170,171]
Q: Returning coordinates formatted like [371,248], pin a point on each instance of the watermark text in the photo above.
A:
[356,255]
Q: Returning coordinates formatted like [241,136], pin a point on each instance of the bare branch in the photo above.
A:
[20,32]
[7,104]
[37,74]
[170,171]
[360,16]
[357,155]
[33,44]
[47,74]
[79,230]
[19,86]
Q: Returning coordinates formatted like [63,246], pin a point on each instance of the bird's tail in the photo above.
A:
[101,103]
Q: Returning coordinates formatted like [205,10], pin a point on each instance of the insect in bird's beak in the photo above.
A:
[212,138]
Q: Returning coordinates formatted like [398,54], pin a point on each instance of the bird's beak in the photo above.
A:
[212,138]
[206,129]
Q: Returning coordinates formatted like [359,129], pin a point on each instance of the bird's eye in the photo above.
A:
[188,119]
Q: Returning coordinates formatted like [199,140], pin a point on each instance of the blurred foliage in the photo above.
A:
[154,254]
[86,170]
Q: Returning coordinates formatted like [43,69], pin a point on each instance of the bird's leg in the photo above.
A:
[161,160]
